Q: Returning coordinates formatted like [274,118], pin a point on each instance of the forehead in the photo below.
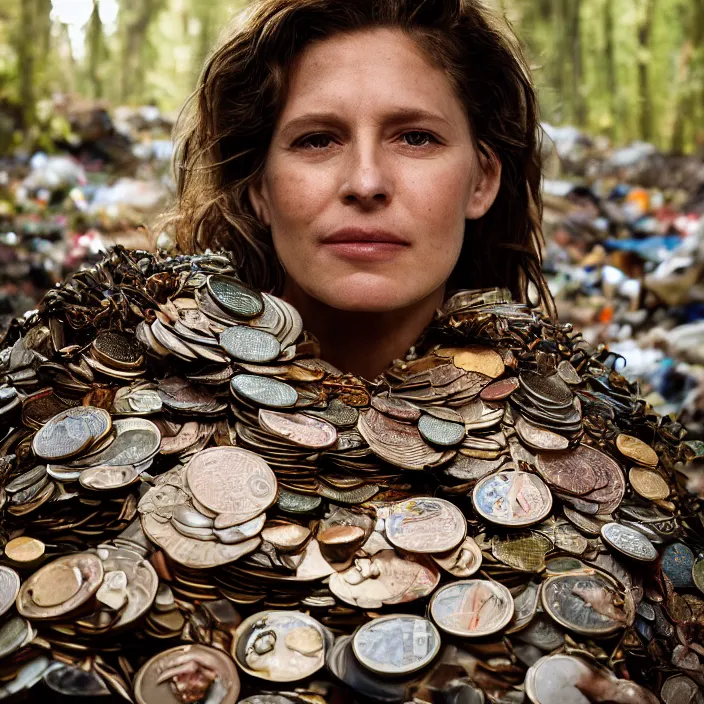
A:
[367,70]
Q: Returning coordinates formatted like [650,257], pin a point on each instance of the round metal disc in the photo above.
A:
[9,586]
[512,498]
[234,297]
[264,391]
[629,541]
[250,344]
[677,562]
[440,432]
[70,432]
[397,644]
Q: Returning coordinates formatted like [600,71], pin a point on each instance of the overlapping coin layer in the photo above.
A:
[197,508]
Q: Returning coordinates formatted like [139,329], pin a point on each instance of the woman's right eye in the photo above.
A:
[314,141]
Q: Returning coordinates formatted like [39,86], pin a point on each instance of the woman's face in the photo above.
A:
[372,138]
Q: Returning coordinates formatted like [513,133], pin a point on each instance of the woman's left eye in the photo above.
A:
[418,138]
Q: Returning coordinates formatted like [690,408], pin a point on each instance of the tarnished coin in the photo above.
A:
[636,450]
[525,601]
[15,632]
[397,644]
[568,373]
[425,525]
[698,574]
[263,391]
[538,438]
[547,390]
[648,483]
[24,550]
[116,348]
[629,541]
[512,498]
[9,586]
[440,432]
[475,359]
[299,429]
[472,608]
[250,344]
[499,390]
[461,562]
[193,669]
[524,551]
[588,604]
[234,297]
[231,481]
[677,563]
[70,432]
[60,587]
[281,646]
[680,689]
[292,502]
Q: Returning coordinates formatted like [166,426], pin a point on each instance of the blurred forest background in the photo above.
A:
[625,69]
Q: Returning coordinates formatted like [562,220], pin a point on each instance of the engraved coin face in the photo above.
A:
[9,586]
[512,498]
[281,646]
[250,344]
[231,481]
[118,348]
[263,391]
[636,450]
[136,440]
[200,668]
[677,562]
[425,525]
[472,608]
[396,644]
[588,604]
[649,483]
[629,541]
[440,432]
[299,429]
[234,297]
[70,432]
[461,562]
[680,689]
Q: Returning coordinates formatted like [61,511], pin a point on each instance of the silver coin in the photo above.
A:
[396,644]
[250,344]
[680,689]
[9,586]
[70,432]
[629,541]
[264,391]
[512,498]
[235,297]
[425,525]
[136,441]
[440,432]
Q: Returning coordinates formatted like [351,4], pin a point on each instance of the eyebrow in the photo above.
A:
[392,118]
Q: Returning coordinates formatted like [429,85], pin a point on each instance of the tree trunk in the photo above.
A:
[94,39]
[25,60]
[578,88]
[611,79]
[644,96]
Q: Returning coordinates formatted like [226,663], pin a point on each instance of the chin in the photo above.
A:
[365,294]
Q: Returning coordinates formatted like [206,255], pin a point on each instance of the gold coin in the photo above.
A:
[475,359]
[648,483]
[24,549]
[636,450]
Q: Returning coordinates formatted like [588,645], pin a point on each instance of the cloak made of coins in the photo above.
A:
[195,506]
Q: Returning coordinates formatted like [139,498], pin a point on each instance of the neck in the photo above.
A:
[360,342]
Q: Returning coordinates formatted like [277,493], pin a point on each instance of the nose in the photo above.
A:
[365,179]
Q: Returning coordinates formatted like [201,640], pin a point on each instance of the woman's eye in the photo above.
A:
[315,141]
[417,138]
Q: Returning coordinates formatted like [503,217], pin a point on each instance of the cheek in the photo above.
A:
[296,197]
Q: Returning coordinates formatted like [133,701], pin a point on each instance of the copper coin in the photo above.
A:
[70,432]
[298,428]
[512,498]
[648,483]
[60,587]
[472,608]
[636,450]
[575,472]
[499,390]
[425,525]
[231,481]
[24,549]
[199,668]
[475,359]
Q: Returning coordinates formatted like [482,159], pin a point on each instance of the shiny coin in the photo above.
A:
[70,432]
[231,481]
[525,602]
[549,390]
[264,391]
[234,297]
[286,536]
[249,344]
[397,644]
[568,373]
[648,483]
[588,604]
[629,542]
[194,670]
[461,562]
[60,586]
[425,525]
[499,390]
[538,438]
[15,632]
[299,429]
[24,549]
[512,498]
[472,608]
[291,502]
[281,646]
[440,432]
[636,450]
[677,562]
[680,689]
[107,478]
[9,586]
[475,359]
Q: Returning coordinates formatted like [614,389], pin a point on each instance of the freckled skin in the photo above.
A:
[419,178]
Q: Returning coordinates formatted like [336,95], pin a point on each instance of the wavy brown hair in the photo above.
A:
[225,127]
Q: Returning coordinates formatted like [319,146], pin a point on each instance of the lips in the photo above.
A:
[356,235]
